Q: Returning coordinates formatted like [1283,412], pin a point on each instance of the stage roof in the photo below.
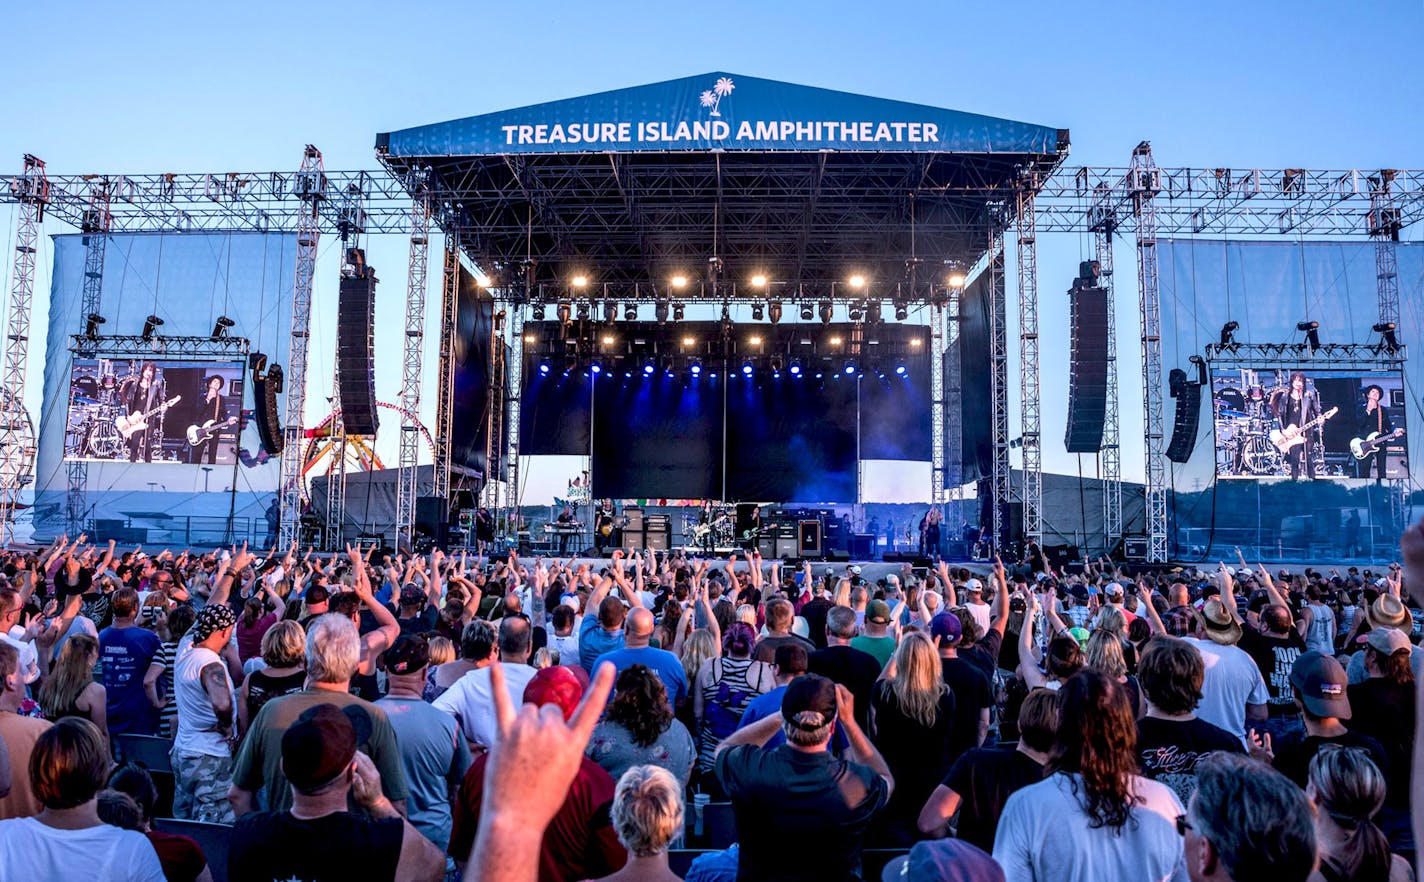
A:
[747,175]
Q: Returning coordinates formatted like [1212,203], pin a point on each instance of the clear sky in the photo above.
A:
[153,87]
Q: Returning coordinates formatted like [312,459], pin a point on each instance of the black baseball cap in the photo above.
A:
[408,654]
[809,693]
[321,744]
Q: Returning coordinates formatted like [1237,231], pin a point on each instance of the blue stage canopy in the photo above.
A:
[722,111]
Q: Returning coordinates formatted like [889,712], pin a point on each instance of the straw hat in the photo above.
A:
[1220,625]
[1388,612]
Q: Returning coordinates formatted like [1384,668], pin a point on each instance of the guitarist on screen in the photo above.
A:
[143,396]
[1374,423]
[213,413]
[1294,408]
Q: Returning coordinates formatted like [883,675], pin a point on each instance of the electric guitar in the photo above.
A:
[1290,436]
[198,434]
[1363,447]
[128,424]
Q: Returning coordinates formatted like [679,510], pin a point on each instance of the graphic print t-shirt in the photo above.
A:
[1169,750]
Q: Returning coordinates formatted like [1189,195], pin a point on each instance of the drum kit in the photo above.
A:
[94,410]
[718,530]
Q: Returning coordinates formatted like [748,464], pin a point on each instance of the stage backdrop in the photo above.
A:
[1267,288]
[188,280]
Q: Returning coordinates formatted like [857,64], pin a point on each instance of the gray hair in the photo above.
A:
[647,810]
[803,737]
[333,649]
[1256,819]
[840,622]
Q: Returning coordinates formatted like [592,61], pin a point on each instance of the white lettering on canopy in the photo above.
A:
[711,131]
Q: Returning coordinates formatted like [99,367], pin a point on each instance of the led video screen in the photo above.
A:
[1309,424]
[131,411]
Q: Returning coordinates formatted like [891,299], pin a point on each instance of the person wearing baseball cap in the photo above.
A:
[417,614]
[433,752]
[973,693]
[202,752]
[1382,707]
[318,838]
[876,639]
[580,842]
[1320,687]
[780,795]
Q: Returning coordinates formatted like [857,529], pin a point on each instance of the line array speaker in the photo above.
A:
[266,386]
[355,349]
[1188,418]
[1087,367]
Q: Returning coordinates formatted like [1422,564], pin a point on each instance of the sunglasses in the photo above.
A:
[1183,825]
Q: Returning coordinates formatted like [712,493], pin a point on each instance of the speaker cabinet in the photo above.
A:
[266,387]
[1087,368]
[808,539]
[355,347]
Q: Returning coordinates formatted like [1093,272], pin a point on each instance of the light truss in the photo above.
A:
[17,444]
[445,382]
[1102,221]
[1332,356]
[186,348]
[1146,184]
[411,361]
[1030,423]
[1001,474]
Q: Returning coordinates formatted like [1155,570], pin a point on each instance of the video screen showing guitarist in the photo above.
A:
[212,422]
[1376,431]
[142,399]
[1295,407]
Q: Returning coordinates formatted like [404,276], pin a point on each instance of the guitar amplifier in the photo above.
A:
[635,520]
[861,546]
[766,544]
[1396,465]
[808,538]
[657,539]
[635,539]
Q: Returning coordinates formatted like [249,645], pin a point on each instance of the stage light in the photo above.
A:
[819,375]
[849,368]
[956,279]
[857,282]
[630,311]
[530,338]
[538,312]
[648,369]
[874,313]
[899,370]
[565,313]
[825,310]
[902,311]
[585,309]
[916,341]
[1228,333]
[795,368]
[91,325]
[1386,332]
[609,340]
[678,311]
[483,281]
[754,340]
[660,310]
[1312,333]
[773,308]
[758,312]
[220,327]
[596,368]
[610,311]
[747,368]
[808,312]
[856,311]
[544,368]
[679,282]
[696,369]
[758,281]
[689,341]
[579,282]
[834,341]
[151,325]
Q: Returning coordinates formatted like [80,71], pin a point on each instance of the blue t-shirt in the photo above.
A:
[594,641]
[435,757]
[127,654]
[667,666]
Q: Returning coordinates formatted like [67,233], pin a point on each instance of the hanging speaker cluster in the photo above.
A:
[266,386]
[1087,361]
[1188,418]
[355,345]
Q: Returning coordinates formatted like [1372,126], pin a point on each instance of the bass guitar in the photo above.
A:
[1291,435]
[198,434]
[1363,447]
[137,422]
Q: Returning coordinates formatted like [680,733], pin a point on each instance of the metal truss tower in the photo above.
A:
[514,391]
[498,392]
[1026,240]
[1001,472]
[309,186]
[94,225]
[445,382]
[414,348]
[953,423]
[1102,222]
[31,189]
[938,404]
[1143,188]
[1384,226]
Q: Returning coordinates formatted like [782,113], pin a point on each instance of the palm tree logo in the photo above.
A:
[713,97]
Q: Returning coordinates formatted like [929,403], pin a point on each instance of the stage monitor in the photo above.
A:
[1309,424]
[171,412]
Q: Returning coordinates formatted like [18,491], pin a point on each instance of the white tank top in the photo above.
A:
[197,722]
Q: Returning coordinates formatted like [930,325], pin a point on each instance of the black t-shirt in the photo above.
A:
[420,623]
[984,654]
[972,693]
[274,847]
[1293,755]
[800,816]
[1385,712]
[766,648]
[918,756]
[814,612]
[984,778]
[1275,656]
[853,669]
[1169,750]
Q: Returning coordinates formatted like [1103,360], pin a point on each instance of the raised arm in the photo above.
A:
[1144,597]
[1028,656]
[999,607]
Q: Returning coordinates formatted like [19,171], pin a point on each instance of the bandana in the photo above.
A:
[211,620]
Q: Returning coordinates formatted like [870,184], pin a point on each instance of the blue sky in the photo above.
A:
[151,87]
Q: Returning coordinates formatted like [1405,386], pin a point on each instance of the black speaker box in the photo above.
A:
[1087,369]
[355,353]
[1185,424]
[432,518]
[808,538]
[267,410]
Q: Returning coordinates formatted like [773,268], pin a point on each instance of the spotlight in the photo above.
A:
[825,310]
[660,310]
[1228,333]
[857,282]
[538,312]
[902,311]
[220,327]
[850,368]
[609,339]
[678,311]
[150,325]
[544,368]
[956,279]
[610,312]
[630,311]
[834,341]
[856,311]
[899,370]
[697,368]
[747,368]
[773,309]
[758,281]
[1312,333]
[795,368]
[579,282]
[819,375]
[91,325]
[1384,329]
[758,312]
[585,309]
[1202,378]
[679,282]
[808,312]
[648,369]
[754,340]
[596,368]
[874,313]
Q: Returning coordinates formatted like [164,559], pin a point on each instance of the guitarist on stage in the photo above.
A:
[1294,408]
[1374,418]
[142,396]
[212,408]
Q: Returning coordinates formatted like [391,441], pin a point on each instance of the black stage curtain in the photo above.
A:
[895,414]
[470,423]
[554,412]
[973,398]
[657,437]
[792,440]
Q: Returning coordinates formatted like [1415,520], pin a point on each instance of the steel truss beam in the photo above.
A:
[309,187]
[1102,221]
[445,384]
[514,391]
[17,452]
[94,223]
[1001,474]
[1030,428]
[1341,356]
[954,418]
[1146,185]
[411,363]
[939,406]
[214,348]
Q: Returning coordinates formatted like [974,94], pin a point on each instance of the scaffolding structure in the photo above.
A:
[1102,223]
[17,450]
[412,356]
[1030,422]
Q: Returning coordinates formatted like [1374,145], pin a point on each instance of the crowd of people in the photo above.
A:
[387,716]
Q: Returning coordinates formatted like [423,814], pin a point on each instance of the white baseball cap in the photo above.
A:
[973,585]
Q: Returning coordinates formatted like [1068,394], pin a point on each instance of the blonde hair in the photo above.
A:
[1111,619]
[543,658]
[71,675]
[696,649]
[647,810]
[918,683]
[441,650]
[1105,653]
[746,613]
[284,645]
